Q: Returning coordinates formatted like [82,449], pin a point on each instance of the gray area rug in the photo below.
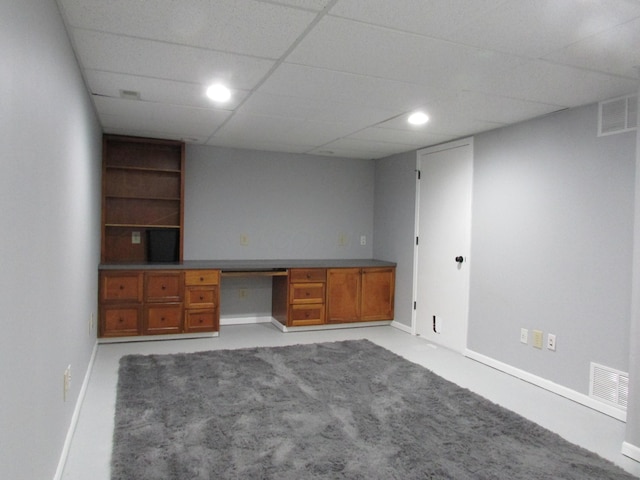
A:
[342,410]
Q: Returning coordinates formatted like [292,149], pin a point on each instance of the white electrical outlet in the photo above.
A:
[135,238]
[91,324]
[551,342]
[524,335]
[244,239]
[363,239]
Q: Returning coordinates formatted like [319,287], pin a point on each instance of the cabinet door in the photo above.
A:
[204,320]
[378,289]
[118,286]
[163,286]
[163,318]
[120,320]
[343,295]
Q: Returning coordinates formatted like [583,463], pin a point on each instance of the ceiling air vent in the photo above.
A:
[609,385]
[618,115]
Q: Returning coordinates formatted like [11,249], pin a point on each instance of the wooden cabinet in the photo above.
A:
[299,299]
[142,190]
[202,298]
[121,296]
[360,294]
[156,302]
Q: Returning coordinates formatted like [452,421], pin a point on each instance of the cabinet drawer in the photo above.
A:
[297,275]
[163,287]
[300,315]
[201,296]
[119,286]
[163,319]
[120,321]
[201,321]
[202,277]
[306,293]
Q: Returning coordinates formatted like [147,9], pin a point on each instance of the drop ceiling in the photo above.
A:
[340,77]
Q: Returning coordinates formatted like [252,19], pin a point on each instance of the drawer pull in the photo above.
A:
[202,279]
[163,287]
[120,319]
[121,287]
[201,297]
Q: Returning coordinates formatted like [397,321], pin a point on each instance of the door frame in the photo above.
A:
[416,231]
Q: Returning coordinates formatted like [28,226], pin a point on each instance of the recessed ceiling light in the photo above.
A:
[418,118]
[218,93]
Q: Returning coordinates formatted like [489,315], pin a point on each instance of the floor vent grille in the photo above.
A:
[618,115]
[609,385]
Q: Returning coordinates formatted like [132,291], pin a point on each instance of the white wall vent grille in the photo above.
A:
[618,115]
[609,385]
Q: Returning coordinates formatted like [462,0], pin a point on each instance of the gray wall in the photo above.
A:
[394,222]
[552,238]
[50,243]
[288,206]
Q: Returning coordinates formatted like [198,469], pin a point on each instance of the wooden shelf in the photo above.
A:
[142,169]
[136,225]
[142,189]
[143,197]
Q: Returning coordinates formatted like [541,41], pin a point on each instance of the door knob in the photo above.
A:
[459,259]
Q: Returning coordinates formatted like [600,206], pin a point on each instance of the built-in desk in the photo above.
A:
[146,299]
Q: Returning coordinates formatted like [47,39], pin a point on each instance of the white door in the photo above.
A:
[444,242]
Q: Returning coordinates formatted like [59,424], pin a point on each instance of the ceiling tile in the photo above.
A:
[241,26]
[349,116]
[156,90]
[159,117]
[542,81]
[322,85]
[348,46]
[615,51]
[435,18]
[101,51]
[315,5]
[416,137]
[537,27]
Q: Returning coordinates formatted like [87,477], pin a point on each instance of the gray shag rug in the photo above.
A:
[342,410]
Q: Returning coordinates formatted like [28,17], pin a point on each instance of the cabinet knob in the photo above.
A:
[120,319]
[201,297]
[121,287]
[163,287]
[202,279]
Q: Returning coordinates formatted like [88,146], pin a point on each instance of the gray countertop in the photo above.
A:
[248,265]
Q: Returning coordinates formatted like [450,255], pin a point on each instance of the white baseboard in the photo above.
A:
[565,392]
[76,415]
[631,451]
[328,326]
[244,320]
[402,326]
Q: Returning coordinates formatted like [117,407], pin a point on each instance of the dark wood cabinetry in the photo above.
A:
[317,296]
[360,294]
[142,189]
[300,298]
[153,302]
